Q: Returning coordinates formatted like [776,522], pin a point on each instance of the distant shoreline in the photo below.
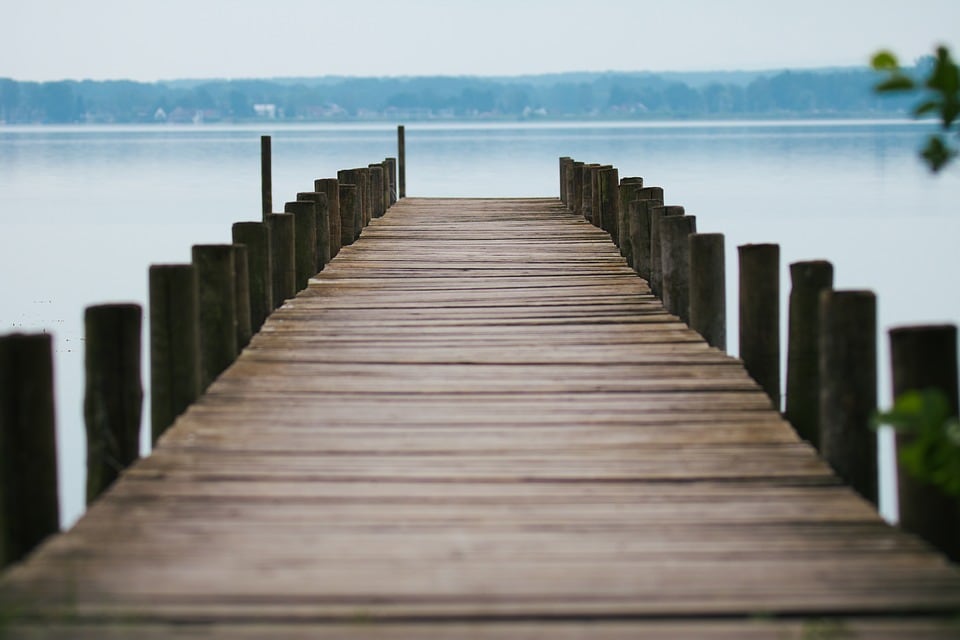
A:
[817,94]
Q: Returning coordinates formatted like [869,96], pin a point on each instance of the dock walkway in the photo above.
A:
[477,422]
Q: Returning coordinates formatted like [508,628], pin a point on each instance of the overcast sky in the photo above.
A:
[166,39]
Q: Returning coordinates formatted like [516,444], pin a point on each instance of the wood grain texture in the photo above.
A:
[478,422]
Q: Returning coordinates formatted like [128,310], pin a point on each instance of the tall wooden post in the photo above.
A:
[266,176]
[113,397]
[402,161]
[808,280]
[925,357]
[848,387]
[760,315]
[708,288]
[29,502]
[174,344]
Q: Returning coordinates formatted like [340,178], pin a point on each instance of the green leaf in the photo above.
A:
[896,82]
[884,61]
[937,153]
[926,107]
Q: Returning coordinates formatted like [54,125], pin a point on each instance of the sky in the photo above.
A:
[169,39]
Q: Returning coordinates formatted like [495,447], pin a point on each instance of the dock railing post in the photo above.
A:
[266,176]
[760,315]
[113,393]
[174,344]
[925,357]
[708,288]
[848,387]
[392,176]
[402,161]
[675,263]
[808,280]
[29,502]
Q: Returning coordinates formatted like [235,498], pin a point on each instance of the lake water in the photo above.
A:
[86,210]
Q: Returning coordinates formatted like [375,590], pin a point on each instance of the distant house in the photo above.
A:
[160,115]
[268,111]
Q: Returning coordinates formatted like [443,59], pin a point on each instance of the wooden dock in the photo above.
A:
[477,422]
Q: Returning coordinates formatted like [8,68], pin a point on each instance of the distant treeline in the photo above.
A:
[831,92]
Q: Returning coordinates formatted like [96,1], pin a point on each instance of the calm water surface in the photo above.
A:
[86,210]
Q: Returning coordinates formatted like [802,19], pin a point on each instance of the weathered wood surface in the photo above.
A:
[477,422]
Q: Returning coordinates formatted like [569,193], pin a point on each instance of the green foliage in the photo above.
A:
[931,452]
[940,96]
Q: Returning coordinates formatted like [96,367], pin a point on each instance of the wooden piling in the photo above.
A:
[255,236]
[656,259]
[609,182]
[379,192]
[376,191]
[29,503]
[925,357]
[808,280]
[351,216]
[350,209]
[708,288]
[596,195]
[586,203]
[569,178]
[760,315]
[402,161]
[266,176]
[563,178]
[113,396]
[392,176]
[241,284]
[174,344]
[331,187]
[640,215]
[305,240]
[848,387]
[628,189]
[577,171]
[675,263]
[217,294]
[322,210]
[282,251]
